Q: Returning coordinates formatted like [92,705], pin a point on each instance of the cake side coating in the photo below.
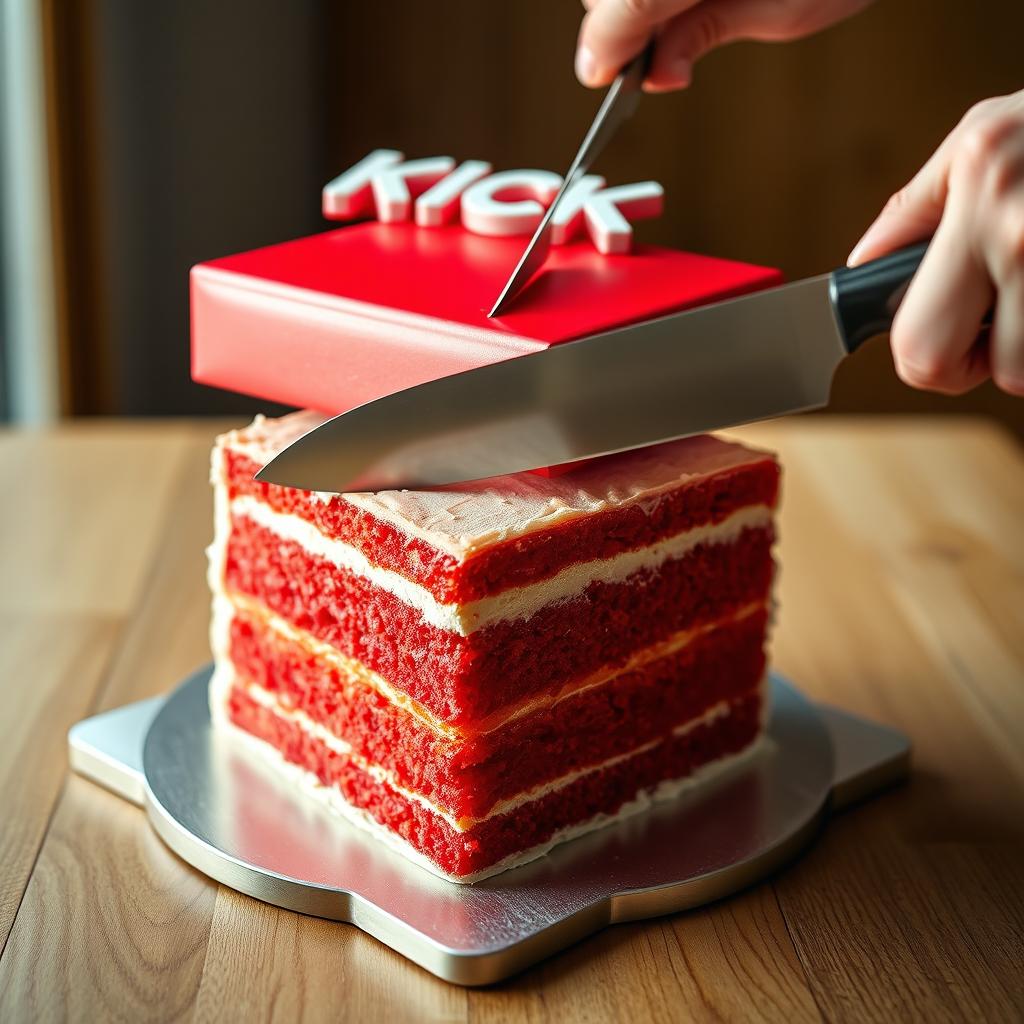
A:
[484,667]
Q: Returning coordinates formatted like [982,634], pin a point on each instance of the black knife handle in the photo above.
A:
[865,298]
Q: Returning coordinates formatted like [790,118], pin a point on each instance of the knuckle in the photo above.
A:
[708,30]
[1004,172]
[899,200]
[980,111]
[1013,244]
[985,141]
[920,366]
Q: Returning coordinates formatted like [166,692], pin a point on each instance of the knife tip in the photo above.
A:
[502,300]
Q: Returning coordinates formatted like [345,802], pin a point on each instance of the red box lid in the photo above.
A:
[337,319]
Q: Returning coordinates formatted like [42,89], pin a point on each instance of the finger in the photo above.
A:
[615,31]
[1007,344]
[684,39]
[713,23]
[700,29]
[671,65]
[937,325]
[1000,189]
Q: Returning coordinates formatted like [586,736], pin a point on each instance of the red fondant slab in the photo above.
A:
[340,318]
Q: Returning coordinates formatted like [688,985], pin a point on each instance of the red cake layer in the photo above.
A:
[537,555]
[468,774]
[489,841]
[464,679]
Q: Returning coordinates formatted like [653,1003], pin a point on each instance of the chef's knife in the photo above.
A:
[618,105]
[755,357]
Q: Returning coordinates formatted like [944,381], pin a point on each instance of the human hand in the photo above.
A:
[971,195]
[615,31]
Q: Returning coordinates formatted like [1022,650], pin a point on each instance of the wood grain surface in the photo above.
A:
[901,598]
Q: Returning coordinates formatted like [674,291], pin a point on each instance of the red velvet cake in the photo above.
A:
[481,671]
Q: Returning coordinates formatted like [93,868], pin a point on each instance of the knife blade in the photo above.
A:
[618,105]
[755,357]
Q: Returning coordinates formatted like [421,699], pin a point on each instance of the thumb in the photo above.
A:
[615,31]
[701,27]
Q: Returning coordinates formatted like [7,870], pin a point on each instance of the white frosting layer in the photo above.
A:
[307,783]
[463,519]
[514,603]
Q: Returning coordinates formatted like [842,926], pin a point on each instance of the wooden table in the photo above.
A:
[902,598]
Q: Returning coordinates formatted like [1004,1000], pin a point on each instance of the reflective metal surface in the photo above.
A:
[221,809]
[747,359]
[619,104]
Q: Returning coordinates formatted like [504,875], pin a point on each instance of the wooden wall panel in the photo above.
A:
[86,362]
[187,130]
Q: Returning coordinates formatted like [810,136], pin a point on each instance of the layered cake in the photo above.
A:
[478,672]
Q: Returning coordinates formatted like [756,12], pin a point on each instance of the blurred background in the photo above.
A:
[140,138]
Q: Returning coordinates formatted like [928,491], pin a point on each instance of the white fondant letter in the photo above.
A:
[440,203]
[568,216]
[393,186]
[506,203]
[606,213]
[350,194]
[509,202]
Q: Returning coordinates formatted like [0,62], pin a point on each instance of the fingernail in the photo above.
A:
[867,239]
[854,258]
[586,66]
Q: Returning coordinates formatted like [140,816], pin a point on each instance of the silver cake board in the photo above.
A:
[221,808]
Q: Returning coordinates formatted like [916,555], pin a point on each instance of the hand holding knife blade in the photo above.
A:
[618,105]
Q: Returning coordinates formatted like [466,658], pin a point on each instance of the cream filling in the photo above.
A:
[224,609]
[220,690]
[514,603]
